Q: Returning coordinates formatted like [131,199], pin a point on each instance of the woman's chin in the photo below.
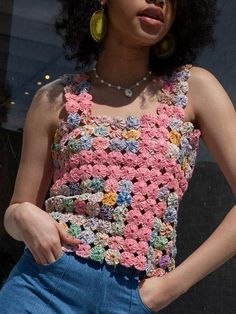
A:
[148,40]
[148,36]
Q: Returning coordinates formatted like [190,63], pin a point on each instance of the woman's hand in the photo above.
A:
[158,292]
[41,233]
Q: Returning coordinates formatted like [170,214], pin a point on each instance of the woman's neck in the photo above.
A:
[122,65]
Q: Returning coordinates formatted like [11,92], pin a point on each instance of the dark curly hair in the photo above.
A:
[193,29]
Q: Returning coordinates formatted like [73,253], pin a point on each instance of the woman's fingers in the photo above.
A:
[46,258]
[49,257]
[38,258]
[49,250]
[66,238]
[47,254]
[57,252]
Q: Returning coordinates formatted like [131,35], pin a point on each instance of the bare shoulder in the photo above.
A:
[52,92]
[202,80]
[204,89]
[198,72]
[48,102]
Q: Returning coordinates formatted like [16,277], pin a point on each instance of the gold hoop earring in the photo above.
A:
[98,25]
[166,47]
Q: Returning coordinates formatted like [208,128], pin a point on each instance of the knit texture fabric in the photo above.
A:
[118,181]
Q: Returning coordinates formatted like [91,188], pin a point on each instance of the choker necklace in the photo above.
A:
[128,91]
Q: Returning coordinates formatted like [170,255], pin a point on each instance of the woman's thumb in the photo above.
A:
[66,237]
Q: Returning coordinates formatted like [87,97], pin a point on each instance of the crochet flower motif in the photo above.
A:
[118,181]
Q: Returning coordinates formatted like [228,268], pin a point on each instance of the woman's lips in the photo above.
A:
[149,20]
[152,16]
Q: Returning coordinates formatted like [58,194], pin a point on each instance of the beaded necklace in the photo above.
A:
[127,91]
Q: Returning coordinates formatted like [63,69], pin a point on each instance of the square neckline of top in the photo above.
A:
[121,118]
[78,78]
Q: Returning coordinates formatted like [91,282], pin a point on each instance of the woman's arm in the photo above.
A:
[35,169]
[216,118]
[24,219]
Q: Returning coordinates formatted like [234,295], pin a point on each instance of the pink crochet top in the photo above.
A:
[118,181]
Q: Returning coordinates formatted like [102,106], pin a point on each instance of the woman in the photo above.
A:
[107,241]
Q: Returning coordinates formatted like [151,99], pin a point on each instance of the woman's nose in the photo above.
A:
[159,2]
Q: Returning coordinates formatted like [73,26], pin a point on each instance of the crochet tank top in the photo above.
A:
[118,181]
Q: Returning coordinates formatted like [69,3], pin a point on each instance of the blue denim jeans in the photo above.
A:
[71,285]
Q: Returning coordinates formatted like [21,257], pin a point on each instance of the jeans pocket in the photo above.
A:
[58,261]
[141,303]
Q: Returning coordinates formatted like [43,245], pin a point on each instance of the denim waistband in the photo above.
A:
[122,270]
[130,272]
